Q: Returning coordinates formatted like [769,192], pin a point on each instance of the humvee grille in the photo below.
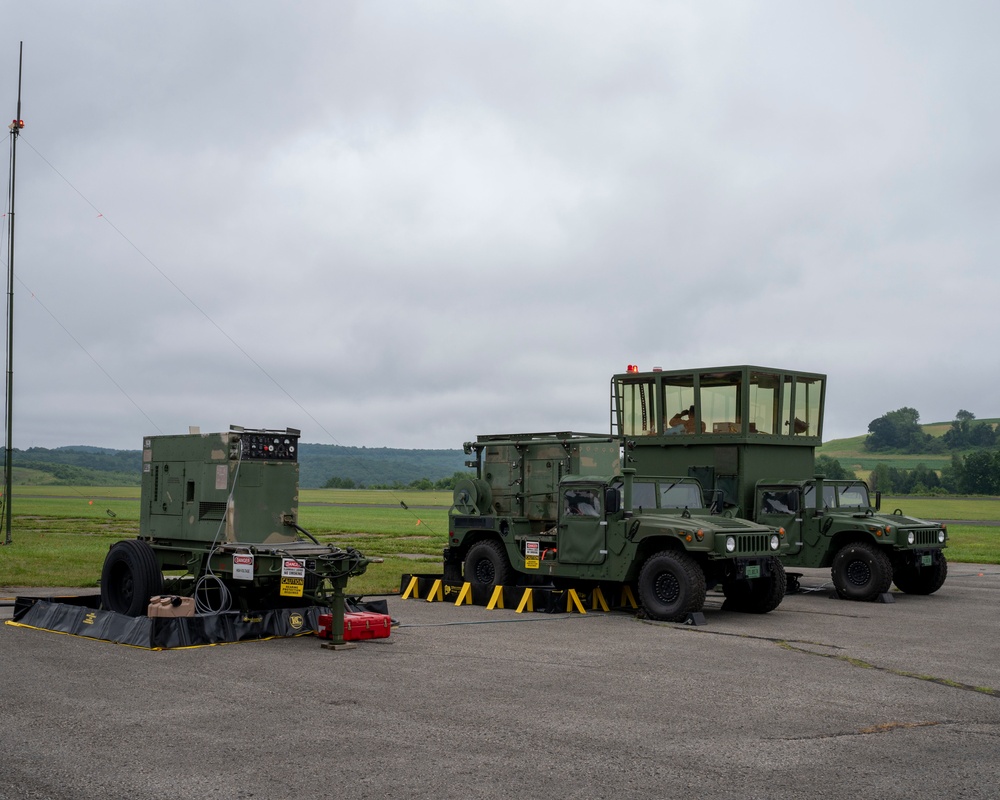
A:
[925,537]
[752,543]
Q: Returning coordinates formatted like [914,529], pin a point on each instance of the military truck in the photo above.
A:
[749,434]
[218,512]
[557,509]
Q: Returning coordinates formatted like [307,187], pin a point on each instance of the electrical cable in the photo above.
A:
[89,355]
[225,597]
[545,618]
[304,531]
[353,560]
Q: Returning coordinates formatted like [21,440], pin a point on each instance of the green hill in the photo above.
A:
[368,466]
[852,455]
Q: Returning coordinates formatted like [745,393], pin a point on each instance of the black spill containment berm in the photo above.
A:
[83,616]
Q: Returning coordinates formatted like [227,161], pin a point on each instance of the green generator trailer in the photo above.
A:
[219,522]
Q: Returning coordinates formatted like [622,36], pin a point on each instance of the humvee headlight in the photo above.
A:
[775,541]
[730,544]
[911,537]
[941,537]
[699,534]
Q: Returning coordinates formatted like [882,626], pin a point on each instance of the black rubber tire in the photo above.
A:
[671,585]
[486,565]
[861,571]
[925,580]
[131,575]
[757,596]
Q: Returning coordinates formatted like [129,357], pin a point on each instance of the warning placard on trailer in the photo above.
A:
[243,566]
[293,578]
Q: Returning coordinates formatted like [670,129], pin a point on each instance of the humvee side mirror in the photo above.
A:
[878,501]
[718,503]
[611,500]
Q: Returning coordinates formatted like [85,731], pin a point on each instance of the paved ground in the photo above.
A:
[821,698]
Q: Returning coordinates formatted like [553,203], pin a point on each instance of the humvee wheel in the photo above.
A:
[671,584]
[757,596]
[861,571]
[486,565]
[923,580]
[131,575]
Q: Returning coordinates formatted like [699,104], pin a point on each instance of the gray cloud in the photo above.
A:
[433,220]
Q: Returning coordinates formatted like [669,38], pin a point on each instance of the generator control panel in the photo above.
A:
[264,445]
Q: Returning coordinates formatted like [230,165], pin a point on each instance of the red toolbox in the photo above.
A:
[357,625]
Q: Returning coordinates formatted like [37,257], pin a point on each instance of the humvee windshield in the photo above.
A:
[843,495]
[672,494]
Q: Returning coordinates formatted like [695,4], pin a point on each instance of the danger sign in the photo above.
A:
[243,566]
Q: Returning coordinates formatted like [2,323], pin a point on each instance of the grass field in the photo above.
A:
[61,534]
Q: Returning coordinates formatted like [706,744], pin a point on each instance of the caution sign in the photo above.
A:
[293,578]
[531,555]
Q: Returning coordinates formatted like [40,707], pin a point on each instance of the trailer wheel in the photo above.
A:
[757,596]
[671,584]
[486,565]
[861,571]
[912,579]
[131,575]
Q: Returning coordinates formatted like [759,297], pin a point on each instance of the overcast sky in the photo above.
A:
[405,224]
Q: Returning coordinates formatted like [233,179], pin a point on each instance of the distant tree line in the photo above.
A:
[374,467]
[977,472]
[355,466]
[420,484]
[899,431]
[76,466]
[96,458]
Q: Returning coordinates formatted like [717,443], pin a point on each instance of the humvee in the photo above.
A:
[751,442]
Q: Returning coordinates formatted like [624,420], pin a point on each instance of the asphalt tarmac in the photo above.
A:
[822,698]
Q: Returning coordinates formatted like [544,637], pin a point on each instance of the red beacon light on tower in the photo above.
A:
[632,368]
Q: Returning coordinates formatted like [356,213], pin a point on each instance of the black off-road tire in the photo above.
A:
[757,596]
[924,580]
[671,585]
[486,565]
[130,576]
[861,571]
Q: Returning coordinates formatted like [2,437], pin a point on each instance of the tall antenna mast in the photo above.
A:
[15,130]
